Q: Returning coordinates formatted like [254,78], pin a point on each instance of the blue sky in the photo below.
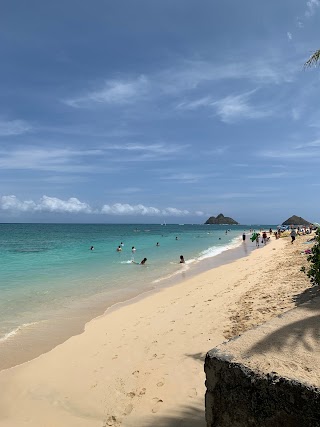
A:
[145,110]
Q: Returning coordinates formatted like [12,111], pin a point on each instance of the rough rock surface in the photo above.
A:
[239,397]
[221,219]
[270,375]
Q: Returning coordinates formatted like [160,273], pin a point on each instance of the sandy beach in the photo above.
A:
[141,363]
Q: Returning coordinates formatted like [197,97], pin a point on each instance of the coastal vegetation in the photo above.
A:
[314,59]
[314,258]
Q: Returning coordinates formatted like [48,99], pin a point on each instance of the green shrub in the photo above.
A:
[314,269]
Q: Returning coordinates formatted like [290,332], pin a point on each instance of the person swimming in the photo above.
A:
[119,249]
[182,261]
[141,262]
[133,249]
[91,248]
[158,244]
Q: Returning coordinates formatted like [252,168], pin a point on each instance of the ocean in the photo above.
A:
[51,283]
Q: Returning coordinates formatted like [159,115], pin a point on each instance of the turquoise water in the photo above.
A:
[48,271]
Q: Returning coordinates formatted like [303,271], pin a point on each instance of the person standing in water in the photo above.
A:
[182,261]
[143,261]
[244,237]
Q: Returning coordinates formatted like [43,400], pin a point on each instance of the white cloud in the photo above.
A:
[312,6]
[194,105]
[46,204]
[72,205]
[113,92]
[186,178]
[191,74]
[268,175]
[11,203]
[307,150]
[75,206]
[126,209]
[230,108]
[236,107]
[14,127]
[150,149]
[289,35]
[174,212]
[183,78]
[48,159]
[300,24]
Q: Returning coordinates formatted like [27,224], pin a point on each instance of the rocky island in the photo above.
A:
[221,219]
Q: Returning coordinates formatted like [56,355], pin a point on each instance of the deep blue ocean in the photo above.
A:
[48,272]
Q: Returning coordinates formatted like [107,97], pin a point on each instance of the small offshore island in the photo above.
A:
[222,220]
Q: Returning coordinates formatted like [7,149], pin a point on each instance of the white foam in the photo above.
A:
[14,332]
[216,250]
[183,268]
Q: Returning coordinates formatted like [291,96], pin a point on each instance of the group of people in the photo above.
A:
[133,250]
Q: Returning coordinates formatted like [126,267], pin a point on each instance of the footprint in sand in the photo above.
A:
[160,384]
[142,392]
[136,373]
[131,394]
[128,409]
[111,421]
[193,393]
[157,406]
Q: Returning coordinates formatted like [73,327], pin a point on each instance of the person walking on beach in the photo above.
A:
[244,237]
[293,235]
[264,237]
[257,240]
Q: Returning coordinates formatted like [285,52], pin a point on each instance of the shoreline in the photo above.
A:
[36,338]
[142,364]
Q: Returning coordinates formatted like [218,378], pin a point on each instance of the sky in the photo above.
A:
[148,111]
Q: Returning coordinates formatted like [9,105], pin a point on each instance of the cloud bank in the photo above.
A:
[75,206]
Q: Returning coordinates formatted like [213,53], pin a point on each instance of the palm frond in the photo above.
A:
[314,59]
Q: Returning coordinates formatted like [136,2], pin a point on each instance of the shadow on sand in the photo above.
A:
[188,416]
[302,332]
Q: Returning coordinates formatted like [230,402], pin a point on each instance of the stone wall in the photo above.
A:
[239,397]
